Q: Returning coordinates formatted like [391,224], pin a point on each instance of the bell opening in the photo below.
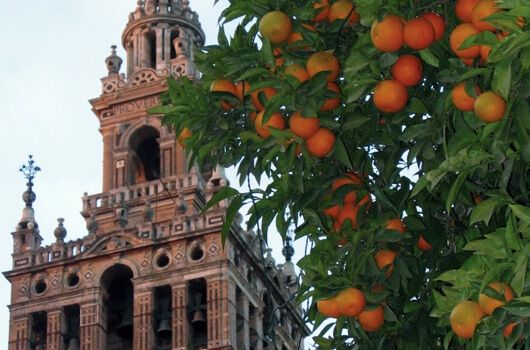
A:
[197,314]
[163,317]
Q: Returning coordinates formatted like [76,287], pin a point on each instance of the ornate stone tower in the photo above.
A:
[151,272]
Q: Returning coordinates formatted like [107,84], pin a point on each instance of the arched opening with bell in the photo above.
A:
[197,314]
[117,282]
[145,155]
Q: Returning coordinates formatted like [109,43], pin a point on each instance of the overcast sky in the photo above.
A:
[51,59]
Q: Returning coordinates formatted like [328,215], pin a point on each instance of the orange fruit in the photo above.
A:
[350,302]
[396,224]
[457,37]
[387,35]
[408,70]
[418,33]
[321,143]
[297,36]
[463,9]
[183,136]
[275,121]
[384,258]
[390,96]
[323,6]
[268,92]
[438,23]
[489,107]
[225,86]
[332,102]
[304,126]
[242,89]
[349,212]
[350,179]
[489,304]
[328,307]
[461,100]
[481,11]
[298,71]
[423,245]
[333,211]
[508,330]
[252,117]
[340,10]
[484,53]
[464,318]
[372,319]
[275,26]
[323,61]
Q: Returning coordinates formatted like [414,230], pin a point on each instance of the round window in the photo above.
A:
[40,287]
[196,253]
[72,280]
[162,261]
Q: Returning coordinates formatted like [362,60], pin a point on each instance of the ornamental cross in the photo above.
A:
[29,170]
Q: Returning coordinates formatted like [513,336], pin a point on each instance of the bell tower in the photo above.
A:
[150,272]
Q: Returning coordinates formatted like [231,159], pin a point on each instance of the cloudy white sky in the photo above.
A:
[51,59]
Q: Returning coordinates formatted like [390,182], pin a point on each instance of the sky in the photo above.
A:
[51,60]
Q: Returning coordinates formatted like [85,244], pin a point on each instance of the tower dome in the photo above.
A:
[160,35]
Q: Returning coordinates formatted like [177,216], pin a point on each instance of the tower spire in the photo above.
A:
[29,171]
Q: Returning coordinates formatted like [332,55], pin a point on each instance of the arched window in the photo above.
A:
[145,154]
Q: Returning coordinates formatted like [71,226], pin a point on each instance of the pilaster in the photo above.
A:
[221,328]
[180,317]
[20,334]
[108,166]
[56,330]
[143,321]
[93,324]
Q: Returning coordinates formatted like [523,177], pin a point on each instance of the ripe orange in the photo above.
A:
[423,245]
[464,318]
[387,35]
[332,102]
[328,307]
[372,319]
[461,100]
[242,89]
[489,304]
[481,11]
[321,143]
[226,86]
[298,71]
[252,117]
[341,9]
[484,53]
[183,136]
[418,33]
[349,212]
[297,36]
[350,302]
[508,330]
[457,37]
[323,61]
[304,126]
[275,26]
[333,211]
[384,258]
[323,14]
[268,92]
[390,96]
[396,224]
[408,70]
[463,9]
[468,61]
[438,23]
[350,179]
[275,121]
[489,107]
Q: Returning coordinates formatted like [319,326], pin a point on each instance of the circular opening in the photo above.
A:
[40,287]
[196,253]
[162,260]
[72,280]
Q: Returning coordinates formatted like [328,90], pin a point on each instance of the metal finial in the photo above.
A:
[114,61]
[288,249]
[29,170]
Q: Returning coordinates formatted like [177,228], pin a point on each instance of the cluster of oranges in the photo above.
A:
[489,106]
[466,314]
[390,35]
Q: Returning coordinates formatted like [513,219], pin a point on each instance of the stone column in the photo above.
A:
[242,324]
[179,317]
[143,321]
[20,333]
[56,330]
[93,324]
[220,314]
[167,158]
[108,161]
[256,324]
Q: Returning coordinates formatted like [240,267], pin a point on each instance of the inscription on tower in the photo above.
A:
[138,105]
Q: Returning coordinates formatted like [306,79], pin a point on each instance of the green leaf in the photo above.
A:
[420,185]
[522,212]
[502,78]
[429,57]
[455,189]
[341,153]
[483,211]
[223,193]
[231,213]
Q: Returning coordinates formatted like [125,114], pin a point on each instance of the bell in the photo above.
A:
[198,317]
[125,329]
[164,329]
[73,344]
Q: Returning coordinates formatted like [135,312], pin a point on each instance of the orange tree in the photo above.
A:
[396,136]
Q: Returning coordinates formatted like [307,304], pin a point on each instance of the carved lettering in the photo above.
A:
[136,106]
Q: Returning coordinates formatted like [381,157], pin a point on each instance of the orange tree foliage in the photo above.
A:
[459,183]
